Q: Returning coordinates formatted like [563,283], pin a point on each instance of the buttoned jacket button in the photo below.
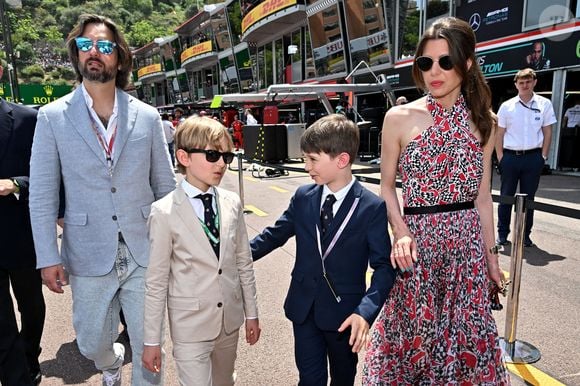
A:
[219,304]
[114,218]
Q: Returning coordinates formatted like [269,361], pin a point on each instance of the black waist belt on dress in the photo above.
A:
[438,208]
[523,152]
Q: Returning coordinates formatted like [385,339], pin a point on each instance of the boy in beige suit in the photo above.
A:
[200,265]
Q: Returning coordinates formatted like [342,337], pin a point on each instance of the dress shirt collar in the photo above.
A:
[533,102]
[340,195]
[89,102]
[192,191]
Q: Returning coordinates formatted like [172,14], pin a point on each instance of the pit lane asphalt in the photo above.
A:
[549,312]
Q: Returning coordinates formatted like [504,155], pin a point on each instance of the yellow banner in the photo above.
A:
[264,9]
[198,49]
[152,68]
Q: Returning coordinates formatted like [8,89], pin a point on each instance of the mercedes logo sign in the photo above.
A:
[475,21]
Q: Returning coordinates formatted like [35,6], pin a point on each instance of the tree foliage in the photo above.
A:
[46,23]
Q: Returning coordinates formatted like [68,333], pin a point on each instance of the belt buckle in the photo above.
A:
[520,152]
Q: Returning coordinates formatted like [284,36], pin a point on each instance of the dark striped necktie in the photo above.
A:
[211,225]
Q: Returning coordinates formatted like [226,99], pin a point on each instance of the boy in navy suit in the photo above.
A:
[340,229]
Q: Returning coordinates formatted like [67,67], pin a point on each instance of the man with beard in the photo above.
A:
[109,150]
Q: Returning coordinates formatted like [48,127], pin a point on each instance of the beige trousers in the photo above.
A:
[209,363]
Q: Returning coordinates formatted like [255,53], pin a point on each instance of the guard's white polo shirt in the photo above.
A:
[524,121]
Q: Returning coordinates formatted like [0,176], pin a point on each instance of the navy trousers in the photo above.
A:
[524,170]
[314,348]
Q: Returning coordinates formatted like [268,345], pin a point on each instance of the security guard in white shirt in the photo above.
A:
[522,146]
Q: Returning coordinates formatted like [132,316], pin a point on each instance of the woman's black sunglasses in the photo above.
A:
[214,155]
[425,63]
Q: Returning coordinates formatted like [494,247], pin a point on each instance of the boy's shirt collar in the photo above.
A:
[192,191]
[340,195]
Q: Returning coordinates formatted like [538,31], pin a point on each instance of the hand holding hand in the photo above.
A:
[404,252]
[252,331]
[359,333]
[54,278]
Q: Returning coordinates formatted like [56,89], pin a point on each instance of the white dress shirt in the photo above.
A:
[106,132]
[197,205]
[523,122]
[340,195]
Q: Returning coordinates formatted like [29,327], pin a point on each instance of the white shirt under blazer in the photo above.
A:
[523,125]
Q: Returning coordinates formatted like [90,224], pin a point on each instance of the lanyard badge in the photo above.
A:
[324,255]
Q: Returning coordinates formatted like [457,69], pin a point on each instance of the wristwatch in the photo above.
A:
[16,185]
[494,250]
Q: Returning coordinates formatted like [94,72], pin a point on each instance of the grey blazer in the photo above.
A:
[98,205]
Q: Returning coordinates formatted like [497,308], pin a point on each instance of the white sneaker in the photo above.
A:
[112,377]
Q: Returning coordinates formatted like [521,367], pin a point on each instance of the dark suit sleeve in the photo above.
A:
[275,236]
[23,183]
[383,273]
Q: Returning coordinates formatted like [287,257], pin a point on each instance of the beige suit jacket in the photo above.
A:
[184,274]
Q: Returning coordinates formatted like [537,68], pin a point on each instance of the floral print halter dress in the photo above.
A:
[436,327]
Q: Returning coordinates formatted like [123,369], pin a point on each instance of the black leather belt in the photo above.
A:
[523,152]
[410,210]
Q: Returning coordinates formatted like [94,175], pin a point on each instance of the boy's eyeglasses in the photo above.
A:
[425,63]
[105,47]
[214,155]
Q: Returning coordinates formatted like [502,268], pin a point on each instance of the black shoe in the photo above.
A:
[528,242]
[502,241]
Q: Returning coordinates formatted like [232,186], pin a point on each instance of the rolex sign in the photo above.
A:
[35,94]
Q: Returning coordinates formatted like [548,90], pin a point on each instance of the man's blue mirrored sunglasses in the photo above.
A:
[104,46]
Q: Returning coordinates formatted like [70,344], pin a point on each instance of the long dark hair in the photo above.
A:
[461,41]
[125,58]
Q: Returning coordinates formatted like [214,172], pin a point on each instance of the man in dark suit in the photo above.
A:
[19,351]
[340,229]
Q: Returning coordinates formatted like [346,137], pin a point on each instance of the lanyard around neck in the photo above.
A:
[331,246]
[216,223]
[534,109]
[106,146]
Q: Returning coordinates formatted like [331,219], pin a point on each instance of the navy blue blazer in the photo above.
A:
[364,241]
[17,125]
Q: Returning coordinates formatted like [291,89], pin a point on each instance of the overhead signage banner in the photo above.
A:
[492,19]
[540,55]
[196,50]
[263,10]
[151,69]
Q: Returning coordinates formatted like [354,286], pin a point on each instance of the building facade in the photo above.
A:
[244,46]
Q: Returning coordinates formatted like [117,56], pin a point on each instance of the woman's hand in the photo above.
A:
[404,253]
[495,273]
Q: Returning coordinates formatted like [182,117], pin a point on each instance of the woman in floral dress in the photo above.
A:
[436,328]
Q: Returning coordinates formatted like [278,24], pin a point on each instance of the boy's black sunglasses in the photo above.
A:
[214,155]
[425,63]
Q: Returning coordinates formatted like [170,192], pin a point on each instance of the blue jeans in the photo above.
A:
[171,148]
[524,170]
[96,304]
